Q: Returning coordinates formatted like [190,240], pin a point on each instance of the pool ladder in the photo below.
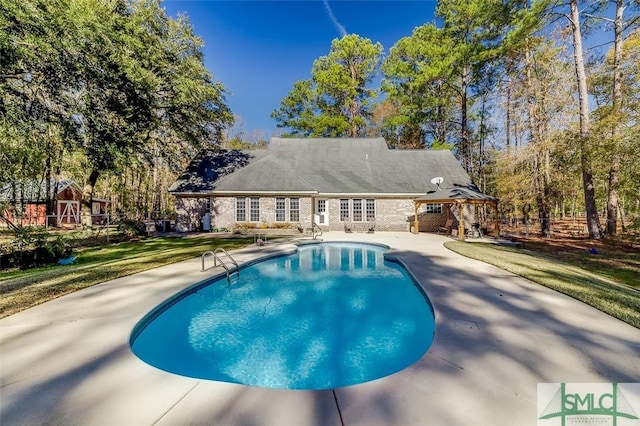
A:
[316,230]
[217,258]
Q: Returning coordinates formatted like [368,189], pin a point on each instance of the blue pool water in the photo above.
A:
[330,315]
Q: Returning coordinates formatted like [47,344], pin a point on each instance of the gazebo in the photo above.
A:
[459,196]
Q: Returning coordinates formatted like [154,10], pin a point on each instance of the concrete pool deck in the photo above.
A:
[68,361]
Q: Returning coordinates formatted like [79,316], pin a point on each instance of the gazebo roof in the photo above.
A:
[446,195]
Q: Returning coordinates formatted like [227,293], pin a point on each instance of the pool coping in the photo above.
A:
[68,361]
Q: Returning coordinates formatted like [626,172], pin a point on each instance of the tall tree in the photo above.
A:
[614,83]
[337,100]
[113,105]
[616,110]
[521,41]
[299,109]
[188,106]
[113,79]
[593,222]
[417,81]
[477,28]
[33,92]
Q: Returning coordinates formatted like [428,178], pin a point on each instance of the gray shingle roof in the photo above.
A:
[456,193]
[325,166]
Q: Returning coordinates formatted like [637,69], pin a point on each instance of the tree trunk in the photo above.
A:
[614,168]
[593,222]
[507,125]
[354,107]
[464,127]
[440,125]
[541,162]
[49,198]
[155,195]
[87,198]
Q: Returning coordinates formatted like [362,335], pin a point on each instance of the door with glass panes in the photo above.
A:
[322,212]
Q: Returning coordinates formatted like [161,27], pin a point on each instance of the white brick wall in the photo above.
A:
[189,213]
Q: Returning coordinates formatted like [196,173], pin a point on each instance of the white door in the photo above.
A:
[68,211]
[322,213]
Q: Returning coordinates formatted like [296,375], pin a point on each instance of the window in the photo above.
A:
[322,206]
[357,210]
[344,210]
[371,209]
[353,210]
[241,209]
[95,208]
[294,209]
[281,210]
[434,208]
[254,212]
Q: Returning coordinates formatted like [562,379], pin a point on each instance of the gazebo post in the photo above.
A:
[461,220]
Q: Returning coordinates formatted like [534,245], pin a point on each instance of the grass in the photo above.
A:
[20,290]
[614,292]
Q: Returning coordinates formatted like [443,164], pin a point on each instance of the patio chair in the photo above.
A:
[447,227]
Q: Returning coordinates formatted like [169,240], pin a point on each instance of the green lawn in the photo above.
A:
[20,290]
[611,291]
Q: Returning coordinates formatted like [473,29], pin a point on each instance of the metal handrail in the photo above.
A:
[221,249]
[319,233]
[217,259]
[215,256]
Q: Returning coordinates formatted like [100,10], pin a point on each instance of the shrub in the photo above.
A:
[32,246]
[245,225]
[282,225]
[131,228]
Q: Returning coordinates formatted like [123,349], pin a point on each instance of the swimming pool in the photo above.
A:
[330,315]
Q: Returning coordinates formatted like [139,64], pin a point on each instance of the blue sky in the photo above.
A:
[258,49]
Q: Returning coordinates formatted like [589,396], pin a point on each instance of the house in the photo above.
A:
[27,203]
[338,183]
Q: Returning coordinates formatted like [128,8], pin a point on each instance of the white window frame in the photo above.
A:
[370,209]
[280,209]
[243,201]
[357,213]
[321,205]
[345,210]
[254,209]
[366,211]
[294,209]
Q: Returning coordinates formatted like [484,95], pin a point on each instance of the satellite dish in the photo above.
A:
[437,181]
